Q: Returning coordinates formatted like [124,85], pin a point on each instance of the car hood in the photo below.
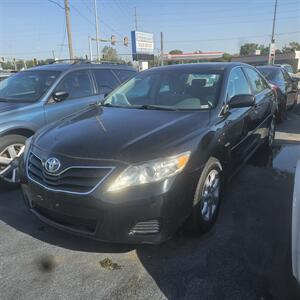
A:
[122,134]
[9,106]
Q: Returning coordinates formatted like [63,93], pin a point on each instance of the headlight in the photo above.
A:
[151,171]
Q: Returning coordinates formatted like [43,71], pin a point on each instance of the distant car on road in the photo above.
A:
[152,156]
[285,86]
[38,96]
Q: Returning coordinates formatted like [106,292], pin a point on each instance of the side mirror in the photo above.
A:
[241,101]
[60,96]
[295,79]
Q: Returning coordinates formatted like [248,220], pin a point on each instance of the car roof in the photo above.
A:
[74,66]
[269,67]
[210,66]
[275,66]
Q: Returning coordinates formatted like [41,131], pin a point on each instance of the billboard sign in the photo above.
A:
[142,44]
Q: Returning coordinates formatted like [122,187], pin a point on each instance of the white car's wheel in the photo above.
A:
[11,148]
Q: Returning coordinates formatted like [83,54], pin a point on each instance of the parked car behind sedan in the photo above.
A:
[41,95]
[285,86]
[152,156]
[287,67]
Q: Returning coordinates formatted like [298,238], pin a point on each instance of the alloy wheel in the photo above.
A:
[8,157]
[210,195]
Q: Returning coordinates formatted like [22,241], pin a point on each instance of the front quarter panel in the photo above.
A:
[30,117]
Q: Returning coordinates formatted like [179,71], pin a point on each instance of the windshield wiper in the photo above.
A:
[109,104]
[158,107]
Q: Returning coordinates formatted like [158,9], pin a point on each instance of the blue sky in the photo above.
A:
[33,28]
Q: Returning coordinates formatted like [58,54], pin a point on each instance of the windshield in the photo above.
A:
[180,90]
[27,86]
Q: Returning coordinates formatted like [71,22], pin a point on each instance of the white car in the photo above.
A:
[296,225]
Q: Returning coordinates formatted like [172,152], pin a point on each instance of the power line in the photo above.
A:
[101,21]
[227,23]
[56,3]
[214,10]
[240,16]
[231,38]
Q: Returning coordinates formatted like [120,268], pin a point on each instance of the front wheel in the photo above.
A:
[11,148]
[207,198]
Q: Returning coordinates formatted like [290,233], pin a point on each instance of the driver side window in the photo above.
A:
[77,84]
[237,84]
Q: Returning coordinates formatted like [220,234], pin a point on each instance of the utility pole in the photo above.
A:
[68,24]
[90,48]
[135,19]
[161,49]
[97,30]
[272,44]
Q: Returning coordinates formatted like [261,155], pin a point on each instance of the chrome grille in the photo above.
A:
[79,179]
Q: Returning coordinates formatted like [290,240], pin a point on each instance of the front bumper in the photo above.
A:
[144,214]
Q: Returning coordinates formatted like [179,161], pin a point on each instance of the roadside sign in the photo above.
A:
[142,45]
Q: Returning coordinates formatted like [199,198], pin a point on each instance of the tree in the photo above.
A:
[110,54]
[155,62]
[264,50]
[225,57]
[293,46]
[248,49]
[175,51]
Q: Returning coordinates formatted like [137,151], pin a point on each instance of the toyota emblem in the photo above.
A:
[52,165]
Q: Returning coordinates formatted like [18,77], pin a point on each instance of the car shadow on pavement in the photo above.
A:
[245,256]
[14,213]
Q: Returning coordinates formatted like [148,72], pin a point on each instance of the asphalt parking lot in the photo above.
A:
[245,256]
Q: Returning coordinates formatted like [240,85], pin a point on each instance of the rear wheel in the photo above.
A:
[11,148]
[281,112]
[271,135]
[207,198]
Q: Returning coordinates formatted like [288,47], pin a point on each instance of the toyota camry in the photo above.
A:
[153,156]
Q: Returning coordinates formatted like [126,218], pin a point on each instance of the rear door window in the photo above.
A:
[106,81]
[124,75]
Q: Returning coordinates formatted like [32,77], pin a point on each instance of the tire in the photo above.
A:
[281,113]
[269,141]
[200,220]
[11,147]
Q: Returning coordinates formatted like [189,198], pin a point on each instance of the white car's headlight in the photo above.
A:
[151,171]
